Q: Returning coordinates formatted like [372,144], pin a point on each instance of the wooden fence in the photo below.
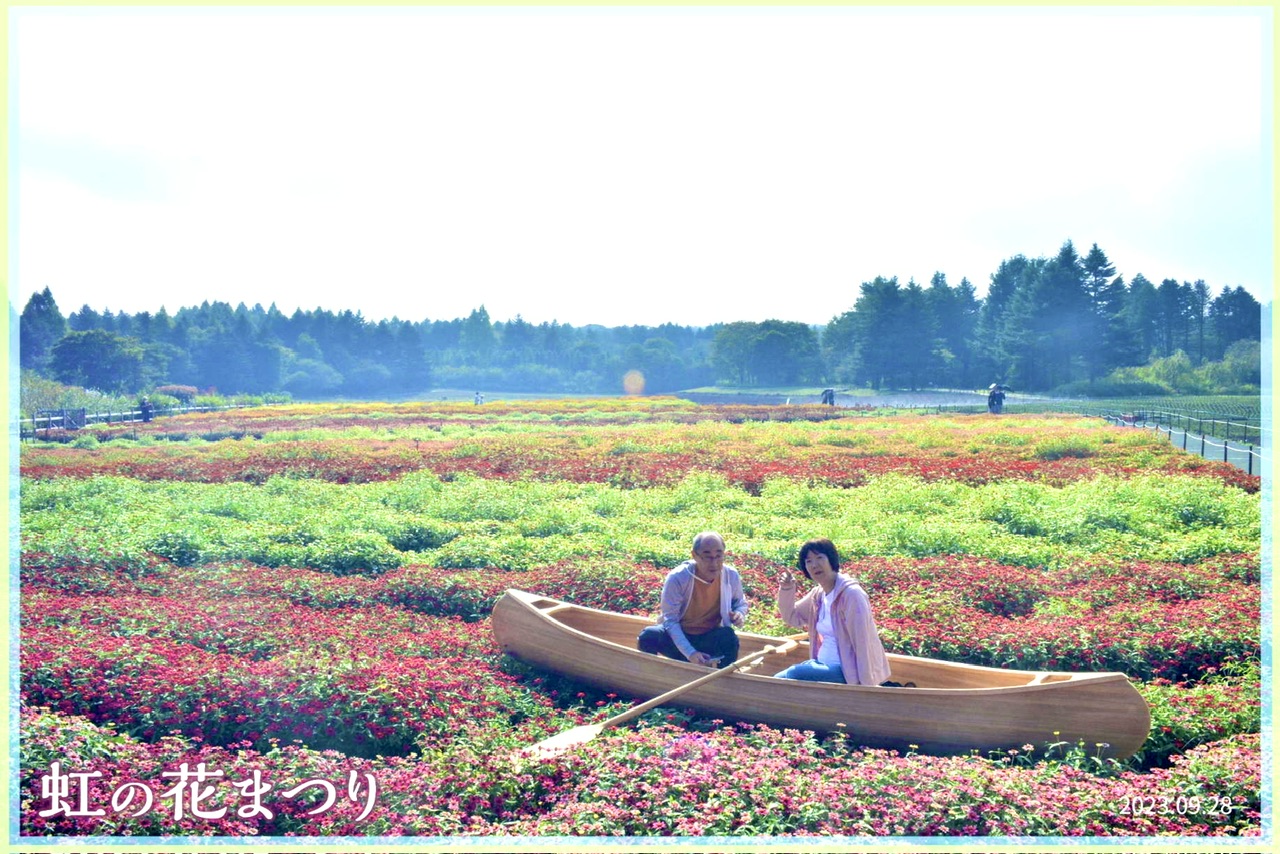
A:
[46,420]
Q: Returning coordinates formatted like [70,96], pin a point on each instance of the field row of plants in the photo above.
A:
[246,658]
[639,449]
[299,627]
[472,522]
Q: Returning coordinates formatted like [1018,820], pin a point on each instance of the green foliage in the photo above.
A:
[1044,323]
[772,352]
[180,393]
[40,328]
[98,359]
[68,739]
[1236,373]
[1186,716]
[1057,449]
[85,441]
[181,547]
[1112,387]
[36,392]
[473,523]
[420,536]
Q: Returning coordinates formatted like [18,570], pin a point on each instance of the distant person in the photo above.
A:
[701,603]
[478,398]
[148,411]
[995,399]
[829,396]
[837,614]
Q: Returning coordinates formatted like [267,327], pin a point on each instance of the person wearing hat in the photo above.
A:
[995,399]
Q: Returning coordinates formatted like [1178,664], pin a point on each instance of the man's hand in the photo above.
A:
[701,658]
[736,619]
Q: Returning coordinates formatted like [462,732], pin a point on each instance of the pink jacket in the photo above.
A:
[862,655]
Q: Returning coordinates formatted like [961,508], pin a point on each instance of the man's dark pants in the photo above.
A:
[721,641]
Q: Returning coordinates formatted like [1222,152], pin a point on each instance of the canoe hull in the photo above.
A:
[958,708]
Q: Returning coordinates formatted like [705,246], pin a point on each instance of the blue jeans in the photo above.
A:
[813,671]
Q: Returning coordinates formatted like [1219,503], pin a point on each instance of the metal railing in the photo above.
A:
[1243,455]
[1246,431]
[1240,441]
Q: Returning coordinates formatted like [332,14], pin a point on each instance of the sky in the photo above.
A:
[626,166]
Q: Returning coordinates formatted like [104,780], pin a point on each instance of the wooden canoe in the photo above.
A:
[955,708]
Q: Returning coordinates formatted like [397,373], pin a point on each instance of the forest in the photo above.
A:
[1066,324]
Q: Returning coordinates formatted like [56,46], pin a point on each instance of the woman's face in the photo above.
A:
[818,566]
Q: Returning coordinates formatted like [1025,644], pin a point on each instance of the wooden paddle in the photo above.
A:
[571,738]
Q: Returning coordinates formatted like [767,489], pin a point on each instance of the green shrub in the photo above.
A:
[178,546]
[1057,449]
[1112,388]
[420,536]
[352,554]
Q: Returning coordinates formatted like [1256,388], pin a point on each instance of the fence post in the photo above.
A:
[1225,443]
[1251,459]
[1202,444]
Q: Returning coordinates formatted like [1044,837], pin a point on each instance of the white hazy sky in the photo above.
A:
[626,166]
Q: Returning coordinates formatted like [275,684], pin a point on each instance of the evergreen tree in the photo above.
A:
[1004,331]
[40,327]
[84,319]
[476,337]
[1171,317]
[162,327]
[915,333]
[953,313]
[877,315]
[839,345]
[409,362]
[1140,315]
[1065,319]
[1105,339]
[1234,316]
[1198,310]
[992,332]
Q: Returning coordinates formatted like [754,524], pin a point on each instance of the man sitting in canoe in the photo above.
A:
[701,603]
[837,615]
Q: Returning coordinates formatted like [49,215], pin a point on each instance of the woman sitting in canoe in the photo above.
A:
[837,615]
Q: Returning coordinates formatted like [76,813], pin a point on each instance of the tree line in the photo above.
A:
[1065,323]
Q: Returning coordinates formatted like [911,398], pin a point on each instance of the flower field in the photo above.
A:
[275,622]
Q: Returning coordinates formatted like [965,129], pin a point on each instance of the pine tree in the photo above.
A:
[40,327]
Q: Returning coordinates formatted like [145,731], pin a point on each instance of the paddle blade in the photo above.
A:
[563,741]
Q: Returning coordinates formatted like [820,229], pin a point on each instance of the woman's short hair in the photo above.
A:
[823,545]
